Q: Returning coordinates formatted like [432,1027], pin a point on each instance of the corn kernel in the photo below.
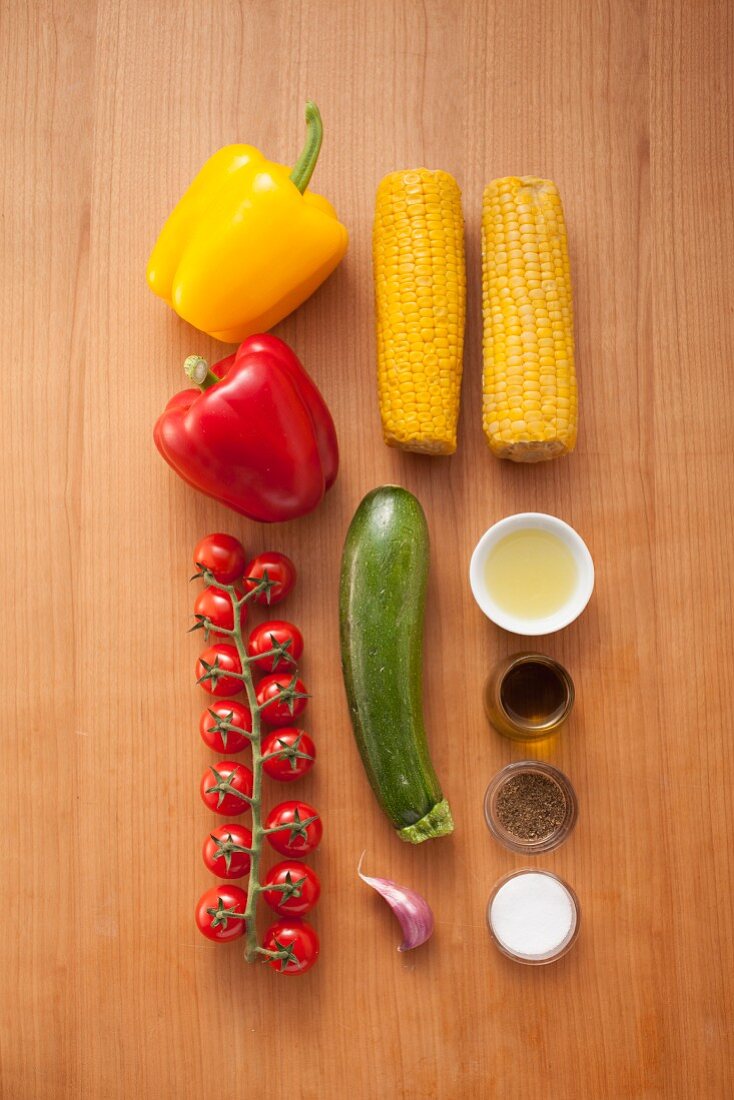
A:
[530,400]
[420,292]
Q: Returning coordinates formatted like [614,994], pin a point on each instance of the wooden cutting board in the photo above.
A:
[107,111]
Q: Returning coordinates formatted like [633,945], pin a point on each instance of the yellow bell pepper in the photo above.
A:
[247,243]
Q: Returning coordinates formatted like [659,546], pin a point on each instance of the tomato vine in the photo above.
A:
[258,587]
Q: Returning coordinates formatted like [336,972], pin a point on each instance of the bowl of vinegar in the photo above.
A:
[531,574]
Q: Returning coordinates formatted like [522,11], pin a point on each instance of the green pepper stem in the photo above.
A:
[303,169]
[198,371]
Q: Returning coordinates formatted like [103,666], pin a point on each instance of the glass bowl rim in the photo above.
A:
[566,945]
[543,844]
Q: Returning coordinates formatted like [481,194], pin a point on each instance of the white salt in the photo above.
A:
[533,915]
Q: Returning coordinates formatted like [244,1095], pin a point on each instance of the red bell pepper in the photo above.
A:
[256,435]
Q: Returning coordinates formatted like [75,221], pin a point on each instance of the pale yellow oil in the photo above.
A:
[530,573]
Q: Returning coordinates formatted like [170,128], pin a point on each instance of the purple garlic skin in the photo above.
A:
[412,910]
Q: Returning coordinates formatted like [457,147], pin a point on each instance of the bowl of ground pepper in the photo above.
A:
[530,807]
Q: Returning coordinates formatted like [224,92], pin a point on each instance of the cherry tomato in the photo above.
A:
[289,697]
[301,888]
[212,721]
[215,605]
[211,667]
[223,556]
[223,853]
[224,785]
[219,913]
[298,826]
[276,571]
[298,940]
[278,635]
[291,752]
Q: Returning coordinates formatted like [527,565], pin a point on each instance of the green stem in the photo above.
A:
[198,371]
[279,651]
[211,629]
[222,726]
[290,825]
[252,949]
[303,169]
[250,594]
[253,885]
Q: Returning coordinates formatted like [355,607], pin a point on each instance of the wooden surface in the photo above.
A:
[107,110]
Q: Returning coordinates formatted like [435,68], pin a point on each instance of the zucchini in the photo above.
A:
[381,605]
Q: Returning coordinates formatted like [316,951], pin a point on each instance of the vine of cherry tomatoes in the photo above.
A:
[286,752]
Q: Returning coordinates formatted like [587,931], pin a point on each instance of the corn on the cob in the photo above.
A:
[420,291]
[530,400]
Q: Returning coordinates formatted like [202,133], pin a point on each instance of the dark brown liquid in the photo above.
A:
[533,694]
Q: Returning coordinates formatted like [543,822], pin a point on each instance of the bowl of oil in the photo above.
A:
[531,574]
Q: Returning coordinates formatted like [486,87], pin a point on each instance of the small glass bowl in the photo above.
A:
[547,684]
[551,956]
[509,840]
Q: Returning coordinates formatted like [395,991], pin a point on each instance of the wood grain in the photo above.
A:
[107,110]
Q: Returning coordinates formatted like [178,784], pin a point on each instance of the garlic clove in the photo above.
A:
[412,910]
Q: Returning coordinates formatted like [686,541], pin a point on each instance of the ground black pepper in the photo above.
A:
[531,806]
